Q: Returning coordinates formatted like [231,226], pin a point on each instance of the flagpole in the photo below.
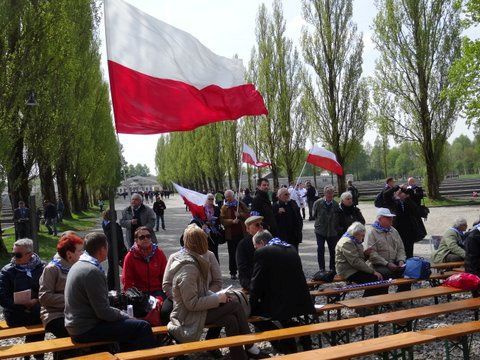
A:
[301,173]
[238,190]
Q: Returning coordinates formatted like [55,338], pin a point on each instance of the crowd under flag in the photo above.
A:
[194,200]
[323,158]
[163,79]
[249,157]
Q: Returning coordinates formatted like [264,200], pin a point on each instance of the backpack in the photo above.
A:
[325,276]
[240,297]
[417,268]
[379,201]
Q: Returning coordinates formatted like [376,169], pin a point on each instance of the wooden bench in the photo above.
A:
[386,344]
[96,356]
[441,267]
[200,346]
[316,283]
[379,300]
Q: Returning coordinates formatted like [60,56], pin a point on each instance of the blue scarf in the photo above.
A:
[85,257]
[379,227]
[233,203]
[277,241]
[458,231]
[59,265]
[254,213]
[30,266]
[351,237]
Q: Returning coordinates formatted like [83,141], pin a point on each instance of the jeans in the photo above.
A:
[157,222]
[231,316]
[131,334]
[331,242]
[361,277]
[232,251]
[51,224]
[310,209]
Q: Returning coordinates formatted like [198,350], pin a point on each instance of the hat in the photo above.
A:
[385,212]
[253,219]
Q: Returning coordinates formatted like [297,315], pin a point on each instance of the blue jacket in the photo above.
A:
[13,280]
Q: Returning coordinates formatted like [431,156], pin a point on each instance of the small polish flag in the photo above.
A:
[249,157]
[163,79]
[323,158]
[193,200]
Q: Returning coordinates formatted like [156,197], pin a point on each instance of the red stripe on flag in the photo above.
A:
[196,210]
[147,105]
[247,158]
[326,163]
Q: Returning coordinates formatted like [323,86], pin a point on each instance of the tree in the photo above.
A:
[418,40]
[339,101]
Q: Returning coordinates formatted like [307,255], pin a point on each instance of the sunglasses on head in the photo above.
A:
[143,237]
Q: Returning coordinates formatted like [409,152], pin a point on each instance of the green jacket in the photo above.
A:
[326,218]
[448,245]
[349,258]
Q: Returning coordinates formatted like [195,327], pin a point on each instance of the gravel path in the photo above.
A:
[439,220]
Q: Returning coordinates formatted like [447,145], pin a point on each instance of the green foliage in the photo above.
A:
[136,170]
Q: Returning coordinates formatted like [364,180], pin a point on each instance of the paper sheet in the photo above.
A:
[22,297]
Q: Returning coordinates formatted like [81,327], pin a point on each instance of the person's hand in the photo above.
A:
[236,221]
[204,226]
[401,263]
[378,275]
[237,215]
[134,221]
[31,303]
[222,298]
[281,210]
[368,251]
[392,267]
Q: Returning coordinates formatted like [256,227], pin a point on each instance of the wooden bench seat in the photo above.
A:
[200,346]
[96,356]
[447,266]
[6,333]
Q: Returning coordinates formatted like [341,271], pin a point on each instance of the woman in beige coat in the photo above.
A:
[194,305]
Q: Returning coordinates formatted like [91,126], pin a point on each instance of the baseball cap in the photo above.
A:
[385,212]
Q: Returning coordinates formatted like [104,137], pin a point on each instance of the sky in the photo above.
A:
[227,27]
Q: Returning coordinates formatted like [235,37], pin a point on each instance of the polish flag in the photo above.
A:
[193,200]
[163,79]
[249,157]
[323,158]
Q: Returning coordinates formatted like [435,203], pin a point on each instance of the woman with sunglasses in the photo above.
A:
[144,265]
[19,289]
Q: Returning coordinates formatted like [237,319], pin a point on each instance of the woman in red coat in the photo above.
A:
[144,265]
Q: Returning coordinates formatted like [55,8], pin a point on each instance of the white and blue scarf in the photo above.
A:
[277,241]
[30,266]
[379,227]
[85,257]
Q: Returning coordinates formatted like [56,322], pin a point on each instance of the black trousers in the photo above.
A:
[388,274]
[232,251]
[361,277]
[57,328]
[23,318]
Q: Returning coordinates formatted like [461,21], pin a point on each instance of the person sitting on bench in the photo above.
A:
[350,259]
[19,289]
[451,246]
[194,305]
[88,314]
[388,255]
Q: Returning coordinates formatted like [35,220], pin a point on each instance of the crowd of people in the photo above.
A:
[69,294]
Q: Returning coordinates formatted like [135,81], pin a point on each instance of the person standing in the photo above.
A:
[311,195]
[21,275]
[109,226]
[472,250]
[262,206]
[247,198]
[159,208]
[21,219]
[233,214]
[219,197]
[136,215]
[288,218]
[326,214]
[60,209]
[296,194]
[88,314]
[50,215]
[354,191]
[348,213]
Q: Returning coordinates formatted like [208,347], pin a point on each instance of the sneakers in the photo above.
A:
[254,352]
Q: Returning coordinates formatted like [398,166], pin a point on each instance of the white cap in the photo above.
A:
[384,212]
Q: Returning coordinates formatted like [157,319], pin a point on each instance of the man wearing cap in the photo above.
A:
[245,251]
[388,256]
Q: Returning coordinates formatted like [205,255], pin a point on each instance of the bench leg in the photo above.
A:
[461,344]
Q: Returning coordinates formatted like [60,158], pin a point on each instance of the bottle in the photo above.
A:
[130,310]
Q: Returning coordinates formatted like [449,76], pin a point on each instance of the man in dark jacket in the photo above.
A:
[50,215]
[245,251]
[472,250]
[278,289]
[311,196]
[21,219]
[354,191]
[262,206]
[388,194]
[159,210]
[288,217]
[20,277]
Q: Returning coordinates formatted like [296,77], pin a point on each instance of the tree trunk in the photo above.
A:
[17,176]
[46,182]
[74,191]
[433,173]
[62,187]
[275,171]
[341,186]
[83,196]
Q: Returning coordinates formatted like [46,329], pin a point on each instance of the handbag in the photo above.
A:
[325,276]
[153,316]
[240,297]
[417,268]
[139,301]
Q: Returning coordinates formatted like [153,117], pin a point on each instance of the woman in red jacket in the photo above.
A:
[144,265]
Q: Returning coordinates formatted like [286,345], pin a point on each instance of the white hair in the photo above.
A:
[263,236]
[459,222]
[26,243]
[229,193]
[356,228]
[345,195]
[281,191]
[328,188]
[136,196]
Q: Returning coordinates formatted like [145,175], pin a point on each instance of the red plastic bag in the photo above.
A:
[153,317]
[464,281]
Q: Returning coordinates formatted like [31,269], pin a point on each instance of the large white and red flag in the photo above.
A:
[163,79]
[194,200]
[323,158]
[249,157]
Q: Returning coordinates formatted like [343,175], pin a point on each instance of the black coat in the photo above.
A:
[122,250]
[290,223]
[278,288]
[347,216]
[389,197]
[408,222]
[472,252]
[244,257]
[13,280]
[261,204]
[159,207]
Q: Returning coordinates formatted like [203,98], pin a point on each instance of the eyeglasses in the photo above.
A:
[210,199]
[143,237]
[19,255]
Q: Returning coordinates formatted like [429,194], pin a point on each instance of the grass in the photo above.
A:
[450,202]
[470,176]
[82,221]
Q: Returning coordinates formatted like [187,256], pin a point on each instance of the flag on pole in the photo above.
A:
[194,200]
[249,157]
[323,158]
[163,79]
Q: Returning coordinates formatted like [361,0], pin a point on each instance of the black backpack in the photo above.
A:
[379,201]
